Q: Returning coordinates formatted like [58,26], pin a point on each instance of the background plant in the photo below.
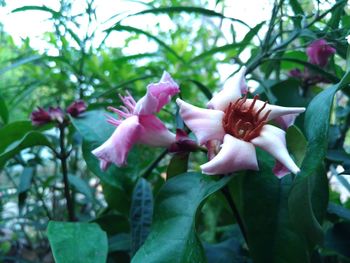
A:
[299,219]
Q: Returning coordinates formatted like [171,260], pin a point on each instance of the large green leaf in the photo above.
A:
[32,138]
[309,195]
[262,201]
[141,214]
[77,242]
[173,237]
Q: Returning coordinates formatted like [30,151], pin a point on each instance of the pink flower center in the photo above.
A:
[242,121]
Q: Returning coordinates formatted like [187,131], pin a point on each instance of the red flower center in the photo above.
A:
[242,121]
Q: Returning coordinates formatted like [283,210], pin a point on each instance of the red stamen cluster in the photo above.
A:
[242,121]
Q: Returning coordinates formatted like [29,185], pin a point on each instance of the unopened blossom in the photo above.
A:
[183,143]
[40,117]
[56,114]
[138,124]
[241,124]
[319,52]
[76,108]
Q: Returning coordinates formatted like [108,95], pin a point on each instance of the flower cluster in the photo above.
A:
[56,114]
[137,123]
[318,52]
[238,123]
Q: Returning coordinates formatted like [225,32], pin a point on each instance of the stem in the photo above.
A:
[150,168]
[63,157]
[235,212]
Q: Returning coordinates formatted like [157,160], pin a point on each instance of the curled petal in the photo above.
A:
[154,133]
[235,155]
[319,52]
[286,121]
[158,94]
[275,111]
[205,124]
[280,170]
[229,93]
[117,147]
[272,140]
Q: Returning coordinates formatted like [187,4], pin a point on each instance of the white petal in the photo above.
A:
[276,111]
[230,93]
[204,123]
[272,140]
[235,155]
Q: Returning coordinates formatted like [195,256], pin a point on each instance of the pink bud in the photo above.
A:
[40,117]
[76,108]
[319,52]
[56,114]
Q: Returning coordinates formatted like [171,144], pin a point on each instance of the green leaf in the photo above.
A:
[188,9]
[339,211]
[119,27]
[173,236]
[4,113]
[32,138]
[13,132]
[297,9]
[19,62]
[74,242]
[178,165]
[141,213]
[119,242]
[37,8]
[81,186]
[309,195]
[215,50]
[262,201]
[337,239]
[296,144]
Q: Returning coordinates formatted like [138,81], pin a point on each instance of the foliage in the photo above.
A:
[160,208]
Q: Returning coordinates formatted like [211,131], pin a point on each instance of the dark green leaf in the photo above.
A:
[262,201]
[173,236]
[235,47]
[206,91]
[37,8]
[113,223]
[74,242]
[338,210]
[141,214]
[81,186]
[296,144]
[337,239]
[297,9]
[178,165]
[4,113]
[119,242]
[309,195]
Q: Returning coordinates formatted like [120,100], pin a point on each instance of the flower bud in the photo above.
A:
[76,108]
[319,52]
[40,117]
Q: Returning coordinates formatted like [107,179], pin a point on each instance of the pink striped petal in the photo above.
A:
[276,111]
[205,124]
[158,94]
[229,93]
[117,147]
[272,140]
[235,155]
[154,132]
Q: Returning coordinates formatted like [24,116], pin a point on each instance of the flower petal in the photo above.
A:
[158,94]
[235,155]
[229,93]
[205,124]
[154,132]
[276,111]
[280,170]
[117,147]
[272,140]
[286,121]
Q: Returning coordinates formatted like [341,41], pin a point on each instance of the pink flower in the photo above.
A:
[138,124]
[76,108]
[241,124]
[56,114]
[319,52]
[40,117]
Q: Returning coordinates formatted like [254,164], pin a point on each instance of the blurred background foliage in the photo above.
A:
[201,46]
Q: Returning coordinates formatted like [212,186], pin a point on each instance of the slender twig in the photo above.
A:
[234,209]
[63,157]
[153,165]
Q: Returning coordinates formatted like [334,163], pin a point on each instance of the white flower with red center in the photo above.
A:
[138,124]
[241,124]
